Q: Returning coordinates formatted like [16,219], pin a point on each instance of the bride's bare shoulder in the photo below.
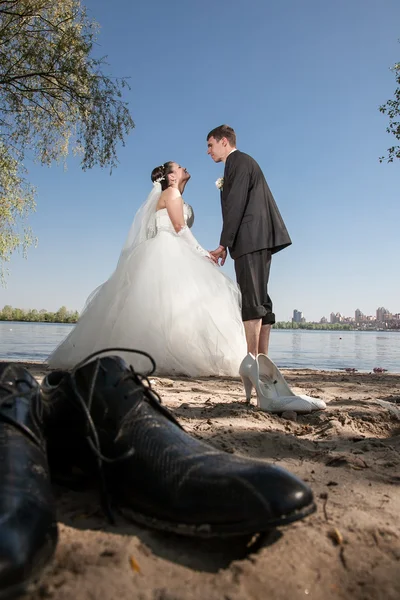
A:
[168,195]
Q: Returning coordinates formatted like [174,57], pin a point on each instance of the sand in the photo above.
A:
[350,548]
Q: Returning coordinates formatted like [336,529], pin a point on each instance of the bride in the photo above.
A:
[166,296]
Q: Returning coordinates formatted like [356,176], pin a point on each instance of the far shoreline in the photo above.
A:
[285,327]
[287,371]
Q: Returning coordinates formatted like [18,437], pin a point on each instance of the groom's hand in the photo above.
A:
[219,254]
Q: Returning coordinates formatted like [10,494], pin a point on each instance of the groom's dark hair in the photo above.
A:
[223,131]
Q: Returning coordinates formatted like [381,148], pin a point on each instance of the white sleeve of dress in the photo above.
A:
[189,238]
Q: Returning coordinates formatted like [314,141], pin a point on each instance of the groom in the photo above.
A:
[252,231]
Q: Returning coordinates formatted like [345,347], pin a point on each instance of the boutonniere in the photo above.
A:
[220,183]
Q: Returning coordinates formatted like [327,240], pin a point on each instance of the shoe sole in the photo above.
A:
[215,530]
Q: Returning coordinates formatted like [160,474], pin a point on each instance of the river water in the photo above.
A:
[333,350]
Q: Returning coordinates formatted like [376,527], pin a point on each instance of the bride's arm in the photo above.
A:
[174,206]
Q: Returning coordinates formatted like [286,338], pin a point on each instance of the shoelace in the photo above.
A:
[12,392]
[150,395]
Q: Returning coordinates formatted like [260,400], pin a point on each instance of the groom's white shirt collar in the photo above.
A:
[234,150]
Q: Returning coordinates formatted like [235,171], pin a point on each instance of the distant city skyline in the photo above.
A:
[298,316]
[382,315]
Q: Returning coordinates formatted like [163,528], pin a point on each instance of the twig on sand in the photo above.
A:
[324,497]
[343,558]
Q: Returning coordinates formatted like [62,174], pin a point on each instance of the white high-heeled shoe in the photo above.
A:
[268,370]
[245,371]
[270,397]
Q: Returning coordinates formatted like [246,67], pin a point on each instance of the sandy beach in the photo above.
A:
[350,548]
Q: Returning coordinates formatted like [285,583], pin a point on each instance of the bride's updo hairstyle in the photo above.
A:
[160,174]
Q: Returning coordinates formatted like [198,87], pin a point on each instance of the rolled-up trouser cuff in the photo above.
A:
[250,313]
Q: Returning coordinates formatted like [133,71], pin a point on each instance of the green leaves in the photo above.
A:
[392,110]
[54,98]
[16,202]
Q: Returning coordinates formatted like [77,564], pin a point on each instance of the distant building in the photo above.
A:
[336,318]
[359,316]
[324,320]
[297,316]
[382,314]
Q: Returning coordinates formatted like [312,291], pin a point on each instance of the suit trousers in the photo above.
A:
[252,274]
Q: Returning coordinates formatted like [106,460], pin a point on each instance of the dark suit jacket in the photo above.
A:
[251,219]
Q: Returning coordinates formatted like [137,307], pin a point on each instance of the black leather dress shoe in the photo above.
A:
[157,474]
[28,526]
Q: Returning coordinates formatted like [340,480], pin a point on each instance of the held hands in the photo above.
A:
[219,254]
[211,258]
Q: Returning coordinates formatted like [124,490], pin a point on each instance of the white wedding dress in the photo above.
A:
[166,298]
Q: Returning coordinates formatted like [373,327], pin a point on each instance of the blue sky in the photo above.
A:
[301,83]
